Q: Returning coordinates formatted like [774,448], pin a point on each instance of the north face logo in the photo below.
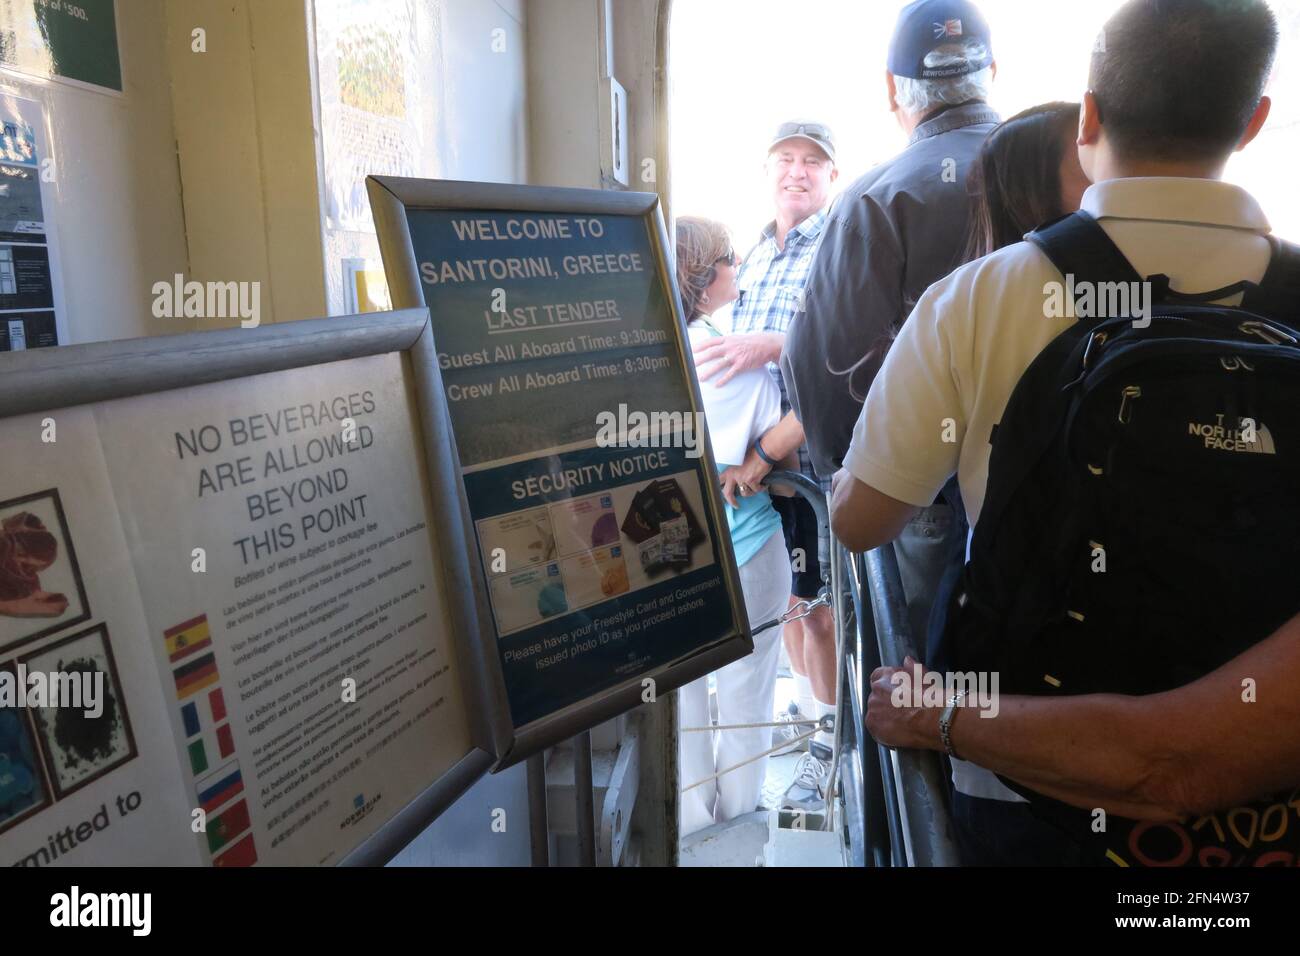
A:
[1249,436]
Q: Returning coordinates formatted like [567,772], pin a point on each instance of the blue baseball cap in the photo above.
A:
[925,25]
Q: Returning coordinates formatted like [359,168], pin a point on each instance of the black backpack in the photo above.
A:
[1141,525]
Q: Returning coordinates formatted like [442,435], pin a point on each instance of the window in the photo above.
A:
[740,68]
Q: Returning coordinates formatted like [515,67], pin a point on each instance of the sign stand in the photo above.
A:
[600,562]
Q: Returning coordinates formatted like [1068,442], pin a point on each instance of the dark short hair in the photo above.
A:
[1180,79]
[1017,179]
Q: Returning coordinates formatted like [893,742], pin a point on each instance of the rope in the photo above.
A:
[824,723]
[746,762]
[771,723]
[841,623]
[829,723]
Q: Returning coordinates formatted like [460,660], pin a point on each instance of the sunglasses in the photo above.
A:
[816,130]
[728,259]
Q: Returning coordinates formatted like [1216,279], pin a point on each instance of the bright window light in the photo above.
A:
[739,68]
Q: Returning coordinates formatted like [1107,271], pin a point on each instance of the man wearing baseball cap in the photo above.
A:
[1175,88]
[800,168]
[891,234]
[888,237]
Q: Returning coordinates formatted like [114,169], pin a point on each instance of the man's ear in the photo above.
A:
[892,88]
[835,173]
[1089,121]
[1257,121]
[994,67]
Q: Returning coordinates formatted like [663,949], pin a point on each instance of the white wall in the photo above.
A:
[484,130]
[116,196]
[564,103]
[245,141]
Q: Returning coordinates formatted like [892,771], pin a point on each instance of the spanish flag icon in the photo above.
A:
[187,638]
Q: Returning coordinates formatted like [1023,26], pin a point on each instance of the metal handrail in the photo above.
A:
[870,846]
[894,799]
[918,774]
[884,832]
[806,488]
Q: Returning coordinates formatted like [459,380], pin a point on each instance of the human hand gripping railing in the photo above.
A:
[878,839]
[917,774]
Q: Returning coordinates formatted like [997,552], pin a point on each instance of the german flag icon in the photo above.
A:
[196,675]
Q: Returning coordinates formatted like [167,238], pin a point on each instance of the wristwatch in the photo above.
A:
[945,722]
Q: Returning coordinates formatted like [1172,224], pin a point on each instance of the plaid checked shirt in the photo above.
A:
[771,282]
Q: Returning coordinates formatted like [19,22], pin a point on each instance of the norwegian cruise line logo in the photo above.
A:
[1247,436]
[361,807]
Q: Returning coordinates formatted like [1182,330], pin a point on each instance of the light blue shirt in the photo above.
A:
[751,524]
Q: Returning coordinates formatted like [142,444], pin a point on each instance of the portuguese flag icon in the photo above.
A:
[243,853]
[227,825]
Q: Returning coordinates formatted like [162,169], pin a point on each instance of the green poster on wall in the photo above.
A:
[68,39]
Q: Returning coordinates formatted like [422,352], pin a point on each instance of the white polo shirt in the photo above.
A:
[971,336]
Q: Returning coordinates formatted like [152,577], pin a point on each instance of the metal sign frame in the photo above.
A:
[390,199]
[42,380]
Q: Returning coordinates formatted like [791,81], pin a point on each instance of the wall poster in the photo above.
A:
[70,40]
[31,301]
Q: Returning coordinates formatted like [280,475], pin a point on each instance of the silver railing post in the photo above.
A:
[918,774]
[894,794]
[538,825]
[586,799]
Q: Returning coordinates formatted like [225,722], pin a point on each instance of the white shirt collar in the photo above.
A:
[1208,202]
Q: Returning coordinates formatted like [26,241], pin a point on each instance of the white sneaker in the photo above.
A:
[807,792]
[789,731]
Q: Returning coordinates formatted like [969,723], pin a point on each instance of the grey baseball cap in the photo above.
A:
[817,133]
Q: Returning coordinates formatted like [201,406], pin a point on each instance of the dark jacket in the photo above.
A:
[888,237]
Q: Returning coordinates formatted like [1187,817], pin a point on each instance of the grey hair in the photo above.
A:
[919,97]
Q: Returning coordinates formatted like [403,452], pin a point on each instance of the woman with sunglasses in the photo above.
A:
[738,413]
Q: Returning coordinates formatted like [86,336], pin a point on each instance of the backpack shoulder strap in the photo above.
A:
[1078,246]
[1278,293]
